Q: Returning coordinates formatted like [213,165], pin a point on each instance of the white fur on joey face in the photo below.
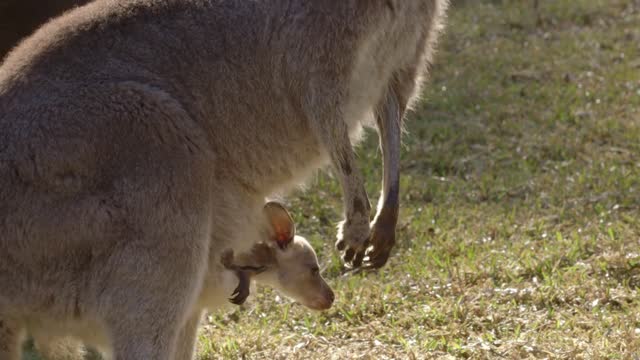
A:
[296,272]
[297,276]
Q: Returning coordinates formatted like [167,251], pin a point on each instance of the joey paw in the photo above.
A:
[241,293]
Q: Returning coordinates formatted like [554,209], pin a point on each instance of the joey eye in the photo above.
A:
[315,270]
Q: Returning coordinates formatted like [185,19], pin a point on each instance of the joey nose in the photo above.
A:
[322,302]
[331,296]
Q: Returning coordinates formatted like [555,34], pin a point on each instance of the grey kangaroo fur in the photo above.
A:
[139,138]
[281,260]
[20,18]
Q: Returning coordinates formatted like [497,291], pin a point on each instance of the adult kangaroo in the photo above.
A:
[139,137]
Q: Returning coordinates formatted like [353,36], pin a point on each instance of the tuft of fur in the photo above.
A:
[20,18]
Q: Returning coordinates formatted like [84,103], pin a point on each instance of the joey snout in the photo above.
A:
[319,296]
[327,299]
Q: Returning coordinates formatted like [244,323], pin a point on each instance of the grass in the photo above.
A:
[520,227]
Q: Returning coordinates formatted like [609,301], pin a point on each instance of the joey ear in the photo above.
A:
[282,227]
